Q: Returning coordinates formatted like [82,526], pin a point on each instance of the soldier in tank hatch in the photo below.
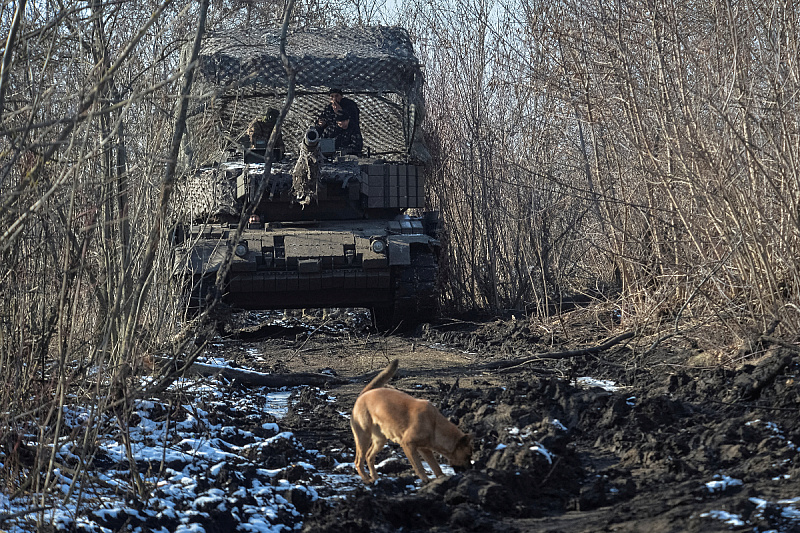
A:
[259,131]
[338,102]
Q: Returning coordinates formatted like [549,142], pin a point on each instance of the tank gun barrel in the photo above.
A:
[305,177]
[311,139]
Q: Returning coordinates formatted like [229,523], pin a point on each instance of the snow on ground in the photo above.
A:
[215,456]
[210,457]
[587,381]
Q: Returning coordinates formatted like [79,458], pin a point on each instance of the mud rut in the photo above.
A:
[675,448]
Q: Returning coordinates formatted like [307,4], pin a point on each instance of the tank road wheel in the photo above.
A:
[415,296]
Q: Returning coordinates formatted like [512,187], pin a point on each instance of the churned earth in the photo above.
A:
[642,436]
[580,425]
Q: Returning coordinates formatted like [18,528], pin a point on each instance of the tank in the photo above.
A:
[330,228]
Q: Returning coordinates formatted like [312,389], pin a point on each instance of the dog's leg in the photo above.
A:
[363,441]
[413,457]
[359,463]
[378,441]
[427,454]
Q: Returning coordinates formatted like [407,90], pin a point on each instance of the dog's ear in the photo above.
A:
[466,441]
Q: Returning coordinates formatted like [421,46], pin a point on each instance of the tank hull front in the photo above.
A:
[386,265]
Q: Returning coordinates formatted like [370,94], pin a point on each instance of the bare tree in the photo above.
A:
[89,139]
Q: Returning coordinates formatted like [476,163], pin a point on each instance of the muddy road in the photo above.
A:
[632,438]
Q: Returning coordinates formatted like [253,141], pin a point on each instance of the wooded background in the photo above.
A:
[638,155]
[642,152]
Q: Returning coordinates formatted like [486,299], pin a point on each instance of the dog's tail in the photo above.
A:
[383,378]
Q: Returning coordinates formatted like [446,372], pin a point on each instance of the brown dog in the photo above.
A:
[382,414]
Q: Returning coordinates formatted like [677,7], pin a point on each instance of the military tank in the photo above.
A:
[331,229]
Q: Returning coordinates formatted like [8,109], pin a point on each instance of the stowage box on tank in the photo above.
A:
[332,228]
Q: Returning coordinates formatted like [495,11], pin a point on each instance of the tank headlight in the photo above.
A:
[378,246]
[241,249]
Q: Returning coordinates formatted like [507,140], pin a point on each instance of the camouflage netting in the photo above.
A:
[207,193]
[241,76]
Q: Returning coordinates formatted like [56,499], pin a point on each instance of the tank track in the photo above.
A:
[416,297]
